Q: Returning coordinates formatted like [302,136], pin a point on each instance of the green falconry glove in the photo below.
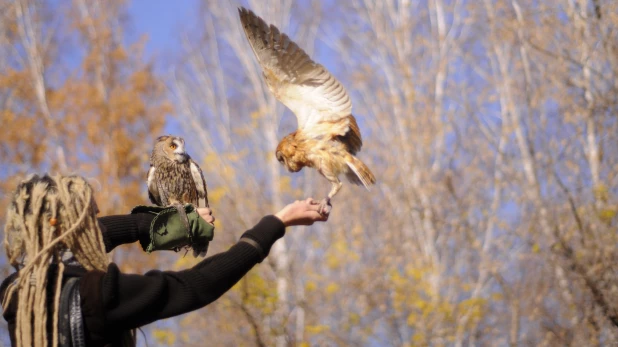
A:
[168,231]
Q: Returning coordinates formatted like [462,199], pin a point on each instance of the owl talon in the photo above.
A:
[325,207]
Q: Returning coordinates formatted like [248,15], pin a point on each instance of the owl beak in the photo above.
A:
[180,157]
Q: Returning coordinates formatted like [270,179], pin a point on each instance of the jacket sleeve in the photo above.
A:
[130,301]
[121,229]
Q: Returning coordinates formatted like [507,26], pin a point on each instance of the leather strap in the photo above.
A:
[64,321]
[71,322]
[77,320]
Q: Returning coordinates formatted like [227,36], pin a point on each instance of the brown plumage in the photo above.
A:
[328,136]
[173,176]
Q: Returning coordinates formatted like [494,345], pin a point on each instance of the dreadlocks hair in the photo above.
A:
[48,216]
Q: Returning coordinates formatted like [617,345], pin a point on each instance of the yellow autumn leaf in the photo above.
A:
[310,286]
[332,288]
[316,329]
[215,195]
[164,336]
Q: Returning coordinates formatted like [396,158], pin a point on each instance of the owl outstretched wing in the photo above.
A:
[316,97]
[200,184]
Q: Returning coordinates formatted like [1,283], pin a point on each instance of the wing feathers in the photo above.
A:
[352,139]
[305,87]
[361,173]
[153,189]
[200,184]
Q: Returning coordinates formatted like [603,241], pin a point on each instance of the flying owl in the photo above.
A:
[174,179]
[327,137]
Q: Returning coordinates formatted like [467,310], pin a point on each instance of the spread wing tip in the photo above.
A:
[243,12]
[252,25]
[246,15]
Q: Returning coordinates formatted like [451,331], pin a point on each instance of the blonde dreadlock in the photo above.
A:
[48,215]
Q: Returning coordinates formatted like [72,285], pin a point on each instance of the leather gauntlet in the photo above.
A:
[168,231]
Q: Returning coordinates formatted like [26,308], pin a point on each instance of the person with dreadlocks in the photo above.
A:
[66,292]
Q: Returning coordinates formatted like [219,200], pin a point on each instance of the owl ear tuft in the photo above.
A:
[162,138]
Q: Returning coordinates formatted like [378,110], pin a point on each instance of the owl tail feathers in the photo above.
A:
[360,173]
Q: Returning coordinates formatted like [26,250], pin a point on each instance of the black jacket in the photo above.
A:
[113,302]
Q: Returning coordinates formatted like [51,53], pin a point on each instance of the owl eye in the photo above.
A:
[173,146]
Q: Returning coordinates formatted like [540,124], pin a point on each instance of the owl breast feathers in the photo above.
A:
[328,136]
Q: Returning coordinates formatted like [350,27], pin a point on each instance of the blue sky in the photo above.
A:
[161,20]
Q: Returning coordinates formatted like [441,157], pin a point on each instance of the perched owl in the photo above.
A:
[327,137]
[174,179]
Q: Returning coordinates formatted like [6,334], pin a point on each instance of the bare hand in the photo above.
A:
[206,215]
[304,212]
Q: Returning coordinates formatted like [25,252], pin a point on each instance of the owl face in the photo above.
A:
[285,154]
[172,148]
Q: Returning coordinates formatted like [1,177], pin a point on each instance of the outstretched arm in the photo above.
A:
[129,301]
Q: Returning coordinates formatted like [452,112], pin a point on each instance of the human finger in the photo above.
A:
[314,207]
[320,215]
[204,211]
[316,216]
